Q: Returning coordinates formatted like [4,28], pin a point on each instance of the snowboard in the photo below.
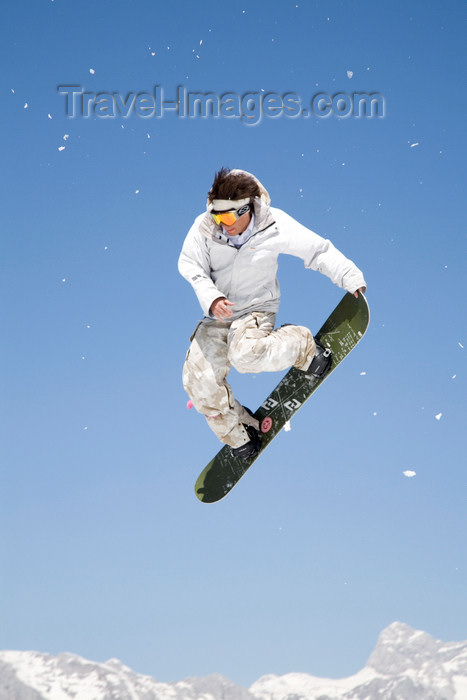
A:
[341,332]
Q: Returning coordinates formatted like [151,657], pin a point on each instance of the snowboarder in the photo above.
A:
[230,258]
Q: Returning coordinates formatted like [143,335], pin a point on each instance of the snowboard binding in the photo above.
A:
[250,448]
[253,446]
[321,363]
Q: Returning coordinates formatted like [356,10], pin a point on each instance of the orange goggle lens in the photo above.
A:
[229,217]
[226,217]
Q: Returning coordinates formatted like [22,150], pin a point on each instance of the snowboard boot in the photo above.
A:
[321,362]
[250,448]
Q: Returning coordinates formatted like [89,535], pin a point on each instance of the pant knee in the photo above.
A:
[248,355]
[248,342]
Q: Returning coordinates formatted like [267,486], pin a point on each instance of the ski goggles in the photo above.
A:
[229,217]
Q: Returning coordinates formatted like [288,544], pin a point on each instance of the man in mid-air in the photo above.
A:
[230,258]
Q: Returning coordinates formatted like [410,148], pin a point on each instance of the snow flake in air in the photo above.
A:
[61,148]
[438,416]
[412,145]
[409,473]
[92,71]
[350,74]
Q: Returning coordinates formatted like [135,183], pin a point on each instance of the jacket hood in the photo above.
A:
[264,193]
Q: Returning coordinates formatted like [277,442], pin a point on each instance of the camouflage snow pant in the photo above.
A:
[250,344]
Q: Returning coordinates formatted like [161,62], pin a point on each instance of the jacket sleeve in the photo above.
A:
[318,253]
[194,266]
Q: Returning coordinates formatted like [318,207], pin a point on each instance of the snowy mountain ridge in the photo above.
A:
[405,665]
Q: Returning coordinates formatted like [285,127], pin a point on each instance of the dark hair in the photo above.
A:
[228,185]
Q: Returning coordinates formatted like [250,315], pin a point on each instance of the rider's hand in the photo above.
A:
[220,308]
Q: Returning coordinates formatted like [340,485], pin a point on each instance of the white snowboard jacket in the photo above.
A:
[247,276]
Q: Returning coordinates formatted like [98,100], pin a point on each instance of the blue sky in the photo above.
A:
[106,552]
